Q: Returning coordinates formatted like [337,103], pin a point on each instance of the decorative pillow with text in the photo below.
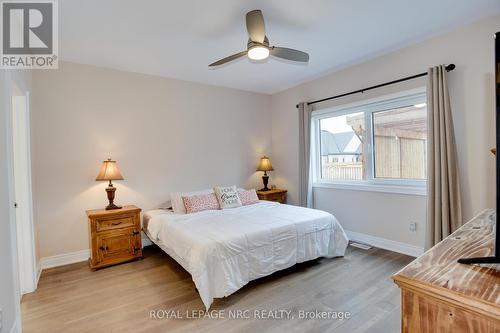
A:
[227,196]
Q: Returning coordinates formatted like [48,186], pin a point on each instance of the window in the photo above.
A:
[400,142]
[382,142]
[342,146]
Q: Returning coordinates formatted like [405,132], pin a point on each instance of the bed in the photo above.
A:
[225,249]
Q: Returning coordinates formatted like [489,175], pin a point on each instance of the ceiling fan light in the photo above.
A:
[258,52]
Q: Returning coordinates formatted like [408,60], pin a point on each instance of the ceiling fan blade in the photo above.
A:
[255,26]
[228,59]
[289,54]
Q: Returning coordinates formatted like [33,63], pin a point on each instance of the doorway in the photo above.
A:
[21,169]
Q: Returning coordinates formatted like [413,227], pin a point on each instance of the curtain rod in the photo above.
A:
[448,68]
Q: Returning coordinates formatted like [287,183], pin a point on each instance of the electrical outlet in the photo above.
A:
[413,227]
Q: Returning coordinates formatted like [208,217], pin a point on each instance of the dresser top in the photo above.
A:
[438,272]
[104,212]
[270,192]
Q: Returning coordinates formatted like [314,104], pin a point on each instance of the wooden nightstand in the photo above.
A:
[273,195]
[115,236]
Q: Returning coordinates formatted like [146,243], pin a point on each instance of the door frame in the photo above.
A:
[25,257]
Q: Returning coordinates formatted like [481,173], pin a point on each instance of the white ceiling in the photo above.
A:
[178,39]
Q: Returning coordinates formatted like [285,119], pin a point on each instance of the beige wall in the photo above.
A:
[472,93]
[172,135]
[167,135]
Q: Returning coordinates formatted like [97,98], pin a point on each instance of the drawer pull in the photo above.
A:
[135,233]
[116,223]
[103,248]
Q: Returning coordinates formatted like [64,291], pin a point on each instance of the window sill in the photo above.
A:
[370,187]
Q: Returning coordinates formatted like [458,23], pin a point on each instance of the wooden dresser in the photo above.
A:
[115,236]
[440,295]
[273,195]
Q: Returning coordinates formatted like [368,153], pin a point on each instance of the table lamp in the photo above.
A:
[109,171]
[265,165]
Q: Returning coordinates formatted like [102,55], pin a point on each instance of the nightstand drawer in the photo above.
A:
[118,245]
[104,224]
[276,198]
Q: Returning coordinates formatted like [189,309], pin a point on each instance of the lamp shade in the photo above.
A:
[265,164]
[109,171]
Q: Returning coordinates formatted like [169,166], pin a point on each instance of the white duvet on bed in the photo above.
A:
[225,249]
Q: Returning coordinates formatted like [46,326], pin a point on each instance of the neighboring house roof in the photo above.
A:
[346,143]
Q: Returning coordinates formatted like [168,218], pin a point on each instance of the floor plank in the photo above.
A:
[119,298]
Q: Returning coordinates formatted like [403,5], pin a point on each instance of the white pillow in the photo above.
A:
[178,204]
[227,196]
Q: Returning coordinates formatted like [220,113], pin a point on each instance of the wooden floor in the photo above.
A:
[119,299]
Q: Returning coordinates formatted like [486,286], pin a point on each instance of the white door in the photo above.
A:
[22,190]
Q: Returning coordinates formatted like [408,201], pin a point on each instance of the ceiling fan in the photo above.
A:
[258,45]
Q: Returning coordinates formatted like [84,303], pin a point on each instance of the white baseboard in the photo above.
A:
[64,259]
[16,326]
[146,242]
[38,272]
[386,244]
[71,258]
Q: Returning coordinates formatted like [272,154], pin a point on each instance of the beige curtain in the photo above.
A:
[444,210]
[305,183]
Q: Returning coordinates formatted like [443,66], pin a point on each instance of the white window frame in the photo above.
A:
[369,107]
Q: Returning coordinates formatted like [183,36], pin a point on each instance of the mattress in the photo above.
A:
[225,249]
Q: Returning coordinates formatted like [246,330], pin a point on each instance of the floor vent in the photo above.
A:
[360,245]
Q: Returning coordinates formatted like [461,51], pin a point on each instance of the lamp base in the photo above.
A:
[112,206]
[265,180]
[110,190]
